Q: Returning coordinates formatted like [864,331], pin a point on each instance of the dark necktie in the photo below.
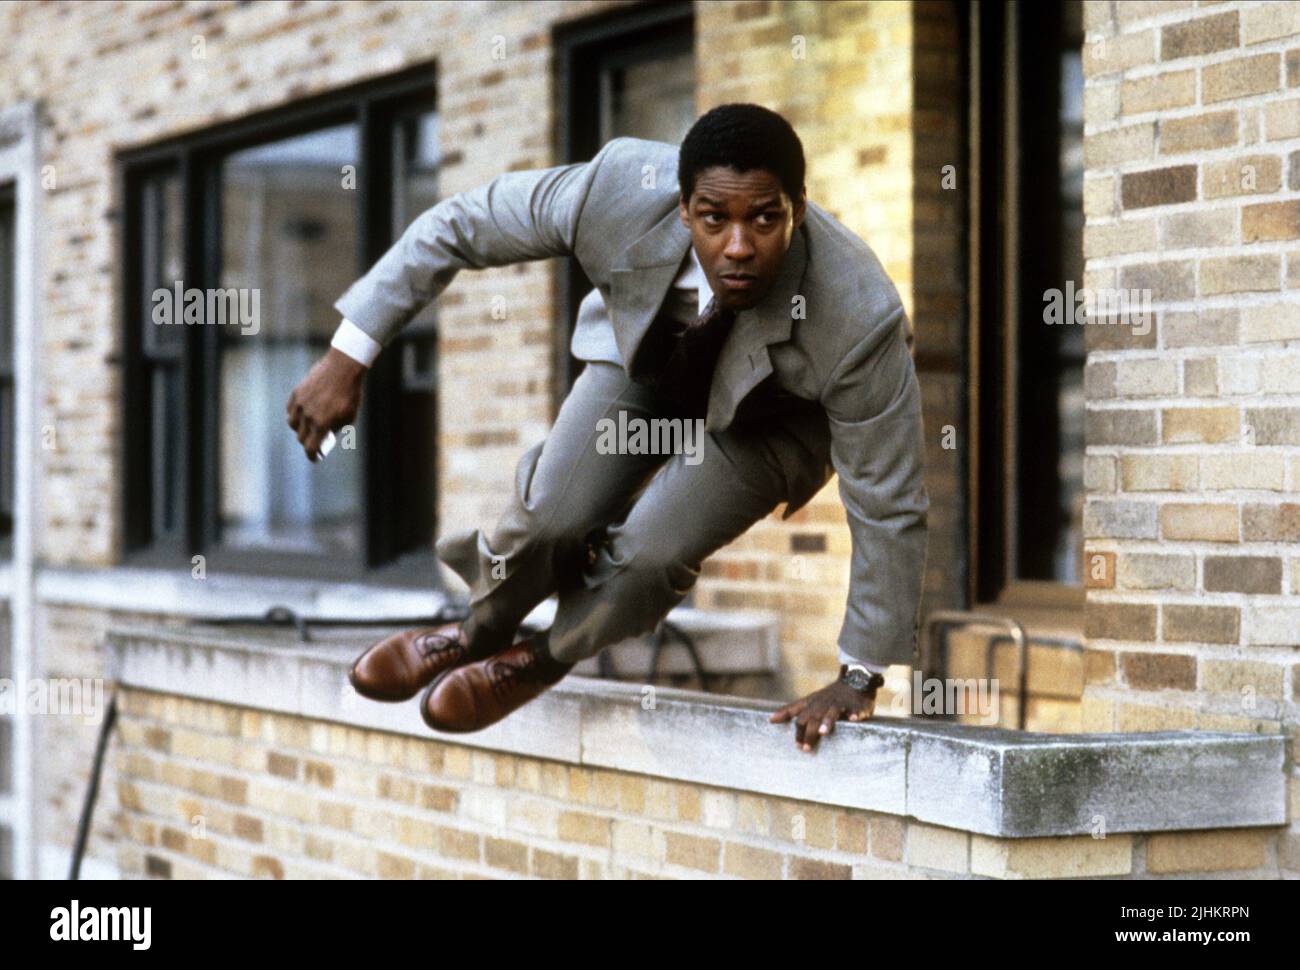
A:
[688,371]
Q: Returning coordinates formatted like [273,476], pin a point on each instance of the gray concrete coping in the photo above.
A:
[737,642]
[988,780]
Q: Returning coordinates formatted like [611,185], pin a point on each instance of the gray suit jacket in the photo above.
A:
[831,330]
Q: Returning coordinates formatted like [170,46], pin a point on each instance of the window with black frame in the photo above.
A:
[8,311]
[625,74]
[258,227]
[1029,373]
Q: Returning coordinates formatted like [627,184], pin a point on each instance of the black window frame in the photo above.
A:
[1011,210]
[373,106]
[582,49]
[8,336]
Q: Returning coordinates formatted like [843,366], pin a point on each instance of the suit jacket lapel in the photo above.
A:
[639,281]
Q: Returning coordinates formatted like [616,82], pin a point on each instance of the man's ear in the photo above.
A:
[683,211]
[800,207]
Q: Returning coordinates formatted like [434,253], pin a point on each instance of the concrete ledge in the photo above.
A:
[991,781]
[740,642]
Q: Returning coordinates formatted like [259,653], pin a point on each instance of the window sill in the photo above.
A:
[417,569]
[984,780]
[172,592]
[730,644]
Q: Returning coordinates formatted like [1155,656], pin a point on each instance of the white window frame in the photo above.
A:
[20,164]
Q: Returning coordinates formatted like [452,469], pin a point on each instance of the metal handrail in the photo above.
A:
[666,626]
[1015,634]
[605,662]
[1056,643]
[950,618]
[284,616]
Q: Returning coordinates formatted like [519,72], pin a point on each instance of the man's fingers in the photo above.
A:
[807,727]
[313,442]
[787,712]
[829,719]
[809,720]
[309,436]
[810,736]
[790,710]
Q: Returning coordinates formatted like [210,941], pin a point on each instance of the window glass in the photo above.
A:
[288,247]
[162,261]
[1046,509]
[1067,557]
[652,98]
[644,87]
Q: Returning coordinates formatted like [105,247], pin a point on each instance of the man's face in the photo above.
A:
[741,224]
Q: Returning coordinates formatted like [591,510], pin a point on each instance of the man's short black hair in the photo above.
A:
[744,137]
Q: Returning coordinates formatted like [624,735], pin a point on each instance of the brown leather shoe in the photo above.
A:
[397,667]
[476,695]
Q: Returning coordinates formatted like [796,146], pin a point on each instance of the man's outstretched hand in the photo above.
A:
[816,714]
[326,399]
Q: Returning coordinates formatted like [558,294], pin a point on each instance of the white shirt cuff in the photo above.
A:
[356,343]
[875,668]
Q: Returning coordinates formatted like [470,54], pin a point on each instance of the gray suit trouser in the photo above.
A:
[619,537]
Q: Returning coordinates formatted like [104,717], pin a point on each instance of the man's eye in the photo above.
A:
[712,215]
[768,218]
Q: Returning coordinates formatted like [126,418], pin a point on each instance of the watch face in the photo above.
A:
[857,679]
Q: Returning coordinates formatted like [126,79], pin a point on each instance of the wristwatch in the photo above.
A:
[860,678]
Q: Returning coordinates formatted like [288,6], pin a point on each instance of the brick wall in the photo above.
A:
[1192,462]
[209,789]
[939,295]
[1192,151]
[73,640]
[875,137]
[137,82]
[114,78]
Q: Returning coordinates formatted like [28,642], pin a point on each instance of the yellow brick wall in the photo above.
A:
[870,99]
[209,789]
[1192,190]
[849,93]
[872,90]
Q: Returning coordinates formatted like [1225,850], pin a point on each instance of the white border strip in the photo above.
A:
[19,163]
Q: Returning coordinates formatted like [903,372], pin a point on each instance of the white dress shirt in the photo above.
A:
[692,278]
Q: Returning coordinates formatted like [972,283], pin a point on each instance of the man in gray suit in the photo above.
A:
[722,297]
